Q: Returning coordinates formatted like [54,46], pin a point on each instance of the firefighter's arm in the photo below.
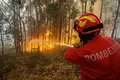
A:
[71,56]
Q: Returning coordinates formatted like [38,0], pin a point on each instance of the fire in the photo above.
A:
[46,43]
[39,44]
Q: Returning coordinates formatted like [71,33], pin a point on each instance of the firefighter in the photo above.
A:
[99,56]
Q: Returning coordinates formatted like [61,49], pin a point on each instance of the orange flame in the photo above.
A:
[35,45]
[40,46]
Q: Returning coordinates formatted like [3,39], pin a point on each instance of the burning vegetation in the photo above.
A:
[47,43]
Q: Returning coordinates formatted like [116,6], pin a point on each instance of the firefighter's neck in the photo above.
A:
[88,40]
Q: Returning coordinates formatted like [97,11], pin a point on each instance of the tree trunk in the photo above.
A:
[14,22]
[104,19]
[82,3]
[65,30]
[37,25]
[24,37]
[20,30]
[40,10]
[85,6]
[72,33]
[69,31]
[60,31]
[2,41]
[117,12]
[16,19]
[101,9]
[69,25]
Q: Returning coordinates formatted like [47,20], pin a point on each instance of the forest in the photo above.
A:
[34,35]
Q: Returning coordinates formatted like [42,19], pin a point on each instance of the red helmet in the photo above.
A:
[88,23]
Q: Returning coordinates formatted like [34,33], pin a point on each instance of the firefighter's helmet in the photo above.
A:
[88,23]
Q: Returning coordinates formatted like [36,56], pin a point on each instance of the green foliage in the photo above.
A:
[61,10]
[53,9]
[91,9]
[74,12]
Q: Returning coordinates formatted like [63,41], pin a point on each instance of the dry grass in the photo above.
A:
[36,67]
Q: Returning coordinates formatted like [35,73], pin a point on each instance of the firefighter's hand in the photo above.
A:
[77,45]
